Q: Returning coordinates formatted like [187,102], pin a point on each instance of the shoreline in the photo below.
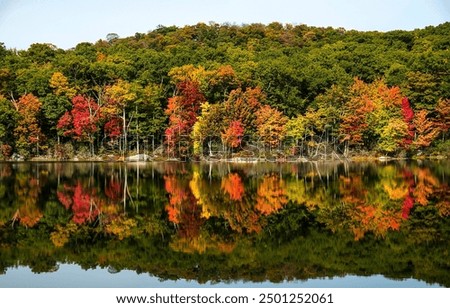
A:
[236,160]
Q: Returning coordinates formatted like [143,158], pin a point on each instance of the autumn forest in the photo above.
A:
[220,90]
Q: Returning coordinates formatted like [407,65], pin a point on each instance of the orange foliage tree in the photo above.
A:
[271,125]
[426,184]
[242,106]
[426,130]
[354,120]
[233,186]
[183,209]
[363,215]
[27,190]
[443,118]
[232,136]
[28,131]
[271,195]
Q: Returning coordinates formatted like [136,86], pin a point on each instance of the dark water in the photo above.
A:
[194,225]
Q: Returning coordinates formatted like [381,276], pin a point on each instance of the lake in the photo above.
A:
[169,224]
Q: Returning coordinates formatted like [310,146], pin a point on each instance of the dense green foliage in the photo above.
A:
[318,81]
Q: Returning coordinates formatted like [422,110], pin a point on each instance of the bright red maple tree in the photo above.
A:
[82,122]
[113,128]
[182,110]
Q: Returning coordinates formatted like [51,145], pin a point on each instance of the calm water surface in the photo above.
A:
[207,225]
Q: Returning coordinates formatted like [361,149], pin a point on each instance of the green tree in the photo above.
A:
[8,118]
[422,89]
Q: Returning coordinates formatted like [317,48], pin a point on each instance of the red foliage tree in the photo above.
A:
[81,201]
[182,110]
[113,128]
[65,199]
[232,136]
[82,207]
[81,123]
[113,190]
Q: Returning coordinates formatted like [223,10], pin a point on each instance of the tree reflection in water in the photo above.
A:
[221,222]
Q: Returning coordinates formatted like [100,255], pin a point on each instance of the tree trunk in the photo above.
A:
[137,132]
[124,133]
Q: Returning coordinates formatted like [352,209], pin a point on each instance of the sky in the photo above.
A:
[65,23]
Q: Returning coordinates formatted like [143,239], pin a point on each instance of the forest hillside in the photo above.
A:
[222,90]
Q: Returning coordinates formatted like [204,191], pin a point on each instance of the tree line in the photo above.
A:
[221,90]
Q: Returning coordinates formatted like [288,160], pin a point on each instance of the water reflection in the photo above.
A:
[222,222]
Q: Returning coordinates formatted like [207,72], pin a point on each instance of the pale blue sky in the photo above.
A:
[65,23]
